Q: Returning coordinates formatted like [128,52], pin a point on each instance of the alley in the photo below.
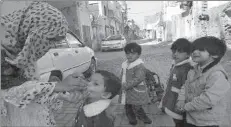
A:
[158,59]
[50,40]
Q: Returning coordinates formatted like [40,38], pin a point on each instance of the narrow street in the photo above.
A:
[64,37]
[158,59]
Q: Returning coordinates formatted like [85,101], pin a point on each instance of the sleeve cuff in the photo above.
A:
[187,107]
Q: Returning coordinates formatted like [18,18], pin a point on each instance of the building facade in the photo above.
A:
[107,14]
[153,26]
[192,19]
[78,18]
[106,19]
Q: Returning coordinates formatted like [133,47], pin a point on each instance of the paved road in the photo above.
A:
[156,58]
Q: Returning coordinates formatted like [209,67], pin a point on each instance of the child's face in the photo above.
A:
[131,57]
[179,56]
[201,57]
[96,86]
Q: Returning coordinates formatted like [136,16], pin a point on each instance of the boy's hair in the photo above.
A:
[214,46]
[133,48]
[112,83]
[211,44]
[182,45]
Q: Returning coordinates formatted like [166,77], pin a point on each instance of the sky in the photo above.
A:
[139,9]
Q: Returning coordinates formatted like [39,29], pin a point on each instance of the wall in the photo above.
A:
[68,8]
[115,16]
[94,9]
[85,23]
[214,25]
[212,4]
[97,9]
[10,6]
[101,20]
[170,17]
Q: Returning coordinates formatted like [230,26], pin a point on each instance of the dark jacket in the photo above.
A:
[94,114]
[100,120]
[177,78]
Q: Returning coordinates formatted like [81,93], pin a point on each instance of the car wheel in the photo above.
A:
[91,69]
[93,65]
[54,78]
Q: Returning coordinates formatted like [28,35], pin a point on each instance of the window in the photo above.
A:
[62,44]
[114,37]
[74,43]
[105,11]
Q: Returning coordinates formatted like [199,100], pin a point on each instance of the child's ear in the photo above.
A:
[106,95]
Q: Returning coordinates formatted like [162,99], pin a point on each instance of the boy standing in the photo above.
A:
[207,84]
[133,77]
[181,50]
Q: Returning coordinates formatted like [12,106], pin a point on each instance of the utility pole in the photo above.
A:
[125,15]
[205,17]
[125,24]
[1,39]
[126,12]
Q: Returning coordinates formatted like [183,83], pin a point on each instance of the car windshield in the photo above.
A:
[114,37]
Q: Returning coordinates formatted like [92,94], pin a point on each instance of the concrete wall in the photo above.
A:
[10,6]
[78,18]
[94,9]
[98,27]
[69,9]
[85,23]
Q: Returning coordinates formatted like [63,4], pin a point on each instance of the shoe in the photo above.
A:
[130,114]
[133,122]
[146,120]
[143,117]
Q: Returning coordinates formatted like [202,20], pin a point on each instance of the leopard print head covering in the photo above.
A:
[39,27]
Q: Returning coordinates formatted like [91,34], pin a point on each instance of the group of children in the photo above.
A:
[196,88]
[195,91]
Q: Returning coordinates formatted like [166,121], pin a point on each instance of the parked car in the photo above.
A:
[113,42]
[68,56]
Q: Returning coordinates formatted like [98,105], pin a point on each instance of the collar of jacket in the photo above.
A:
[201,68]
[183,62]
[126,65]
[96,108]
[198,71]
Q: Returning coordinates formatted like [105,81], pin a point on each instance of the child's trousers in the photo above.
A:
[133,111]
[178,123]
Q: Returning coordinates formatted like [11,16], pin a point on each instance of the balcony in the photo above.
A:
[111,13]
